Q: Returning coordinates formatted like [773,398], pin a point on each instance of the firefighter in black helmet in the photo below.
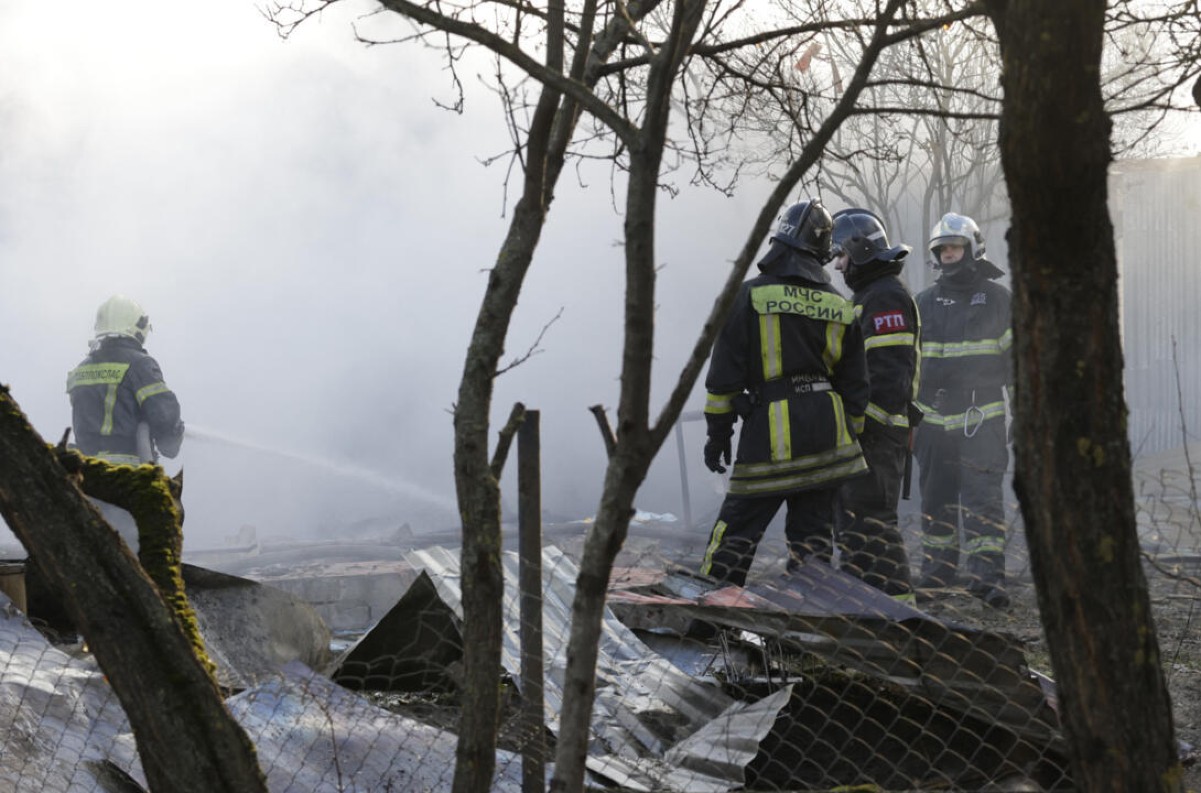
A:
[962,445]
[790,362]
[869,539]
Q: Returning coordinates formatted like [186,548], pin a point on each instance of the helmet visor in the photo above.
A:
[939,242]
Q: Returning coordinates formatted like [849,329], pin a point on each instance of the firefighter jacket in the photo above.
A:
[890,322]
[966,338]
[114,389]
[790,361]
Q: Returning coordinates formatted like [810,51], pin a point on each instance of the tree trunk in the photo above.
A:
[476,482]
[636,443]
[478,491]
[186,738]
[1073,457]
[601,545]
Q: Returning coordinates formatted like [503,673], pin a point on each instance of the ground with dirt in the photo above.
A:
[1174,600]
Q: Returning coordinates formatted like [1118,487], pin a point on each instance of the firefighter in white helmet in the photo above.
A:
[118,387]
[962,445]
[121,409]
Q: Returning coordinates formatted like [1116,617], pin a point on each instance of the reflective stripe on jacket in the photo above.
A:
[966,343]
[891,328]
[801,438]
[117,386]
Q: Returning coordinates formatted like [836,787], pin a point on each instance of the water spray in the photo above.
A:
[392,485]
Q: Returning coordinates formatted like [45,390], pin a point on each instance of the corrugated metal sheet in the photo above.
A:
[58,717]
[63,729]
[654,726]
[1156,209]
[312,735]
[819,609]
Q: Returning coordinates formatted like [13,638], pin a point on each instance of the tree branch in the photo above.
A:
[518,57]
[505,439]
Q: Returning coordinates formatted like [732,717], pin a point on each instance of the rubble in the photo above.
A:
[814,680]
[858,660]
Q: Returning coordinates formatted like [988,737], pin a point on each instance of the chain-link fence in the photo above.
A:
[811,680]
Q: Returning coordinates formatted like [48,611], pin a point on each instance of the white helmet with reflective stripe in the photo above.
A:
[956,229]
[121,316]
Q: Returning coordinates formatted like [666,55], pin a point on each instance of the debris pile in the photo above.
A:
[811,680]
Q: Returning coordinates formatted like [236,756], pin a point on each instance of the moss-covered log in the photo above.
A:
[145,492]
[187,740]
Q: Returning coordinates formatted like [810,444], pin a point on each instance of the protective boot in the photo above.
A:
[939,567]
[879,560]
[987,573]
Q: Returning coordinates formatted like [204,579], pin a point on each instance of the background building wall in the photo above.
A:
[1156,209]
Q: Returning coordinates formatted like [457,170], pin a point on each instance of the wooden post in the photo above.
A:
[529,520]
[685,496]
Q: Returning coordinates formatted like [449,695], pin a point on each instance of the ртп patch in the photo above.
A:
[889,322]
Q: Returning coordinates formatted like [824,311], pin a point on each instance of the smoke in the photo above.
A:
[311,236]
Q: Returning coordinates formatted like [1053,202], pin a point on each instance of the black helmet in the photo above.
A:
[860,234]
[806,226]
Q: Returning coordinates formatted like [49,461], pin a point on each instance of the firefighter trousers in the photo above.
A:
[962,480]
[870,545]
[742,521]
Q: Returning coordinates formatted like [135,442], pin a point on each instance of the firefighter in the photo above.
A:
[122,411]
[961,445]
[790,362]
[869,538]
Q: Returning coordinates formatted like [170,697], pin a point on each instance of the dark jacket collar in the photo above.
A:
[784,261]
[859,276]
[113,342]
[971,275]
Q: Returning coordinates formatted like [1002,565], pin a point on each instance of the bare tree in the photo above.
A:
[1073,457]
[923,140]
[1151,54]
[631,67]
[935,150]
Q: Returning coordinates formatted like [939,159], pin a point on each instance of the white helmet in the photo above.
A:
[121,316]
[956,229]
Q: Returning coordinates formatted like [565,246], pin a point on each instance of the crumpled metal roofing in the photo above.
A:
[63,729]
[825,611]
[250,629]
[313,735]
[655,727]
[58,716]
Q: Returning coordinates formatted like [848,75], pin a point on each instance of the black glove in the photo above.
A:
[717,449]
